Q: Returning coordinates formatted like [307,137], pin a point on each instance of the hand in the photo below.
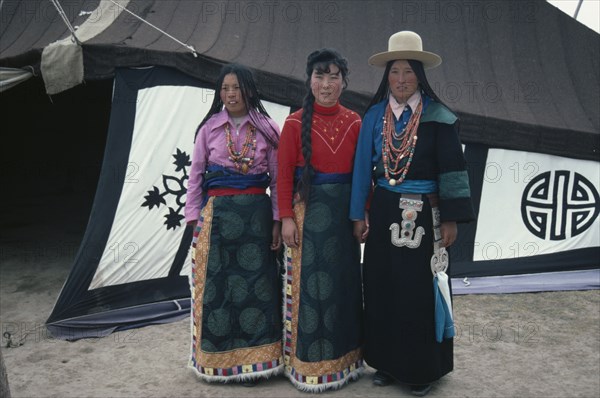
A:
[289,230]
[361,229]
[276,242]
[449,231]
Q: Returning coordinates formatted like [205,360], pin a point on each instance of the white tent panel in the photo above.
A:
[534,204]
[139,246]
[277,112]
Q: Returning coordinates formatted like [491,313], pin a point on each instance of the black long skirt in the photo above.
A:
[399,300]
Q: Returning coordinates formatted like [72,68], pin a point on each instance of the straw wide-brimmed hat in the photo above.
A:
[406,45]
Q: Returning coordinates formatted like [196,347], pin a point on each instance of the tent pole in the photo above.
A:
[577,9]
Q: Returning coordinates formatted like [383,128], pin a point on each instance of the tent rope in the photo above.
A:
[189,47]
[63,15]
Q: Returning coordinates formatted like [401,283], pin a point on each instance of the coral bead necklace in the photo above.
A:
[394,169]
[243,159]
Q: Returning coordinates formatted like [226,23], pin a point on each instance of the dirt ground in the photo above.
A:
[517,345]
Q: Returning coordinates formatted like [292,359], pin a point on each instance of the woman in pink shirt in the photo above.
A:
[236,312]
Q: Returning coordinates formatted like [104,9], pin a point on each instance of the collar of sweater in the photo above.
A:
[326,110]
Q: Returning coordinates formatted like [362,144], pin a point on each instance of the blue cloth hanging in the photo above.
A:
[444,323]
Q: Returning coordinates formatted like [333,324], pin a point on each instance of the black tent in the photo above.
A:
[523,76]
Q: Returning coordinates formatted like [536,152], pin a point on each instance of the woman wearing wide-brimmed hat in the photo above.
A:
[409,150]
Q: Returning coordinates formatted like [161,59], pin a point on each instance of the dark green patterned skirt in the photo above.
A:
[323,312]
[236,291]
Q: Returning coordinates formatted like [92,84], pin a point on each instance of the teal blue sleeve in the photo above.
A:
[363,167]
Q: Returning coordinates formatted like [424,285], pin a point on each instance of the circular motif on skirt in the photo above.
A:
[253,321]
[265,341]
[231,225]
[299,349]
[308,252]
[331,189]
[210,291]
[320,350]
[318,217]
[331,250]
[237,289]
[243,199]
[214,259]
[249,256]
[259,225]
[330,317]
[207,346]
[218,322]
[263,289]
[320,285]
[308,319]
[239,343]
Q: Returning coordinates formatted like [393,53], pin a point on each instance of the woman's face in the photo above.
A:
[403,80]
[232,98]
[327,86]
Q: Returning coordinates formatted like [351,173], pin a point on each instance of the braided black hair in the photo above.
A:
[251,98]
[319,61]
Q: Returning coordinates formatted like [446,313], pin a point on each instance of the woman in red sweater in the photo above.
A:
[323,297]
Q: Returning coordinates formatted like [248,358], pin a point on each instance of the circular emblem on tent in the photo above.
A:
[558,205]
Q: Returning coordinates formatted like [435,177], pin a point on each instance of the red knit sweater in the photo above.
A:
[334,135]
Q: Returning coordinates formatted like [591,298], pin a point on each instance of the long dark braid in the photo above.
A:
[303,187]
[251,98]
[318,60]
[417,66]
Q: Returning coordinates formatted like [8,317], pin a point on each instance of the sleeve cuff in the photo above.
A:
[459,210]
[286,213]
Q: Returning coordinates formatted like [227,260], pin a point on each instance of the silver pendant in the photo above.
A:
[407,235]
[439,259]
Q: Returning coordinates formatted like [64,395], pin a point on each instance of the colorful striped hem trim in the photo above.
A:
[256,369]
[325,382]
